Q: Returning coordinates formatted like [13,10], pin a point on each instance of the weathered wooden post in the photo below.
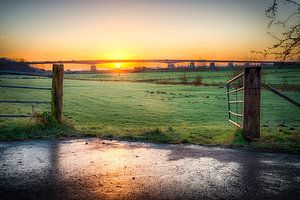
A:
[251,123]
[57,91]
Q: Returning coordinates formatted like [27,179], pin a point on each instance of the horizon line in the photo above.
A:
[165,61]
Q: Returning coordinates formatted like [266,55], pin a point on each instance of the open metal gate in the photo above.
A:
[233,88]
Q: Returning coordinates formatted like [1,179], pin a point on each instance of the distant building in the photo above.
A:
[192,65]
[230,65]
[93,68]
[212,66]
[171,66]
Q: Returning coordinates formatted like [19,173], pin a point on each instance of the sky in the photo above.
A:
[132,29]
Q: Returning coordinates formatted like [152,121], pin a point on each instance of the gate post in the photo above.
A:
[251,122]
[57,91]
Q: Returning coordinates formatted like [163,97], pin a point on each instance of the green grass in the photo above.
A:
[219,77]
[215,78]
[149,112]
[23,130]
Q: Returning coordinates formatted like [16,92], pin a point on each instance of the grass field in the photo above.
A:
[152,112]
[219,77]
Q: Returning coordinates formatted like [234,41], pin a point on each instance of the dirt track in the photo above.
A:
[97,169]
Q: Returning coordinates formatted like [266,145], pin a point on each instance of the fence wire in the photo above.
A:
[276,111]
[21,95]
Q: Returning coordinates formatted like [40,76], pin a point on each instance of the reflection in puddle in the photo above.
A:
[124,170]
[108,169]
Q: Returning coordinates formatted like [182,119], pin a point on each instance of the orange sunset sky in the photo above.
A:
[133,29]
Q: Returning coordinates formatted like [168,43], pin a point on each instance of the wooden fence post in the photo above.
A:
[251,123]
[57,91]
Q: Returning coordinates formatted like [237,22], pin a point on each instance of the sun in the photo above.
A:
[118,65]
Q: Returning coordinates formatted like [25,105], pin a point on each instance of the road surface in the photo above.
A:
[100,169]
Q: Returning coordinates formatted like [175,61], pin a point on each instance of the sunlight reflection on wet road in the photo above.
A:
[97,169]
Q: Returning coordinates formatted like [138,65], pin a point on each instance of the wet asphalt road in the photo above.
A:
[97,169]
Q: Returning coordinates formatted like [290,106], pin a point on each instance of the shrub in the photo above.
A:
[44,118]
[156,135]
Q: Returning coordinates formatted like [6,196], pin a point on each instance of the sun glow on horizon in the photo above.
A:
[118,65]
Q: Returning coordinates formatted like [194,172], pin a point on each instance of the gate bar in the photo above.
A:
[233,91]
[26,73]
[280,94]
[235,101]
[234,123]
[17,101]
[236,77]
[24,87]
[8,116]
[235,114]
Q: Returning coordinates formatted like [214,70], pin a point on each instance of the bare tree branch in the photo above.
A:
[293,2]
[287,43]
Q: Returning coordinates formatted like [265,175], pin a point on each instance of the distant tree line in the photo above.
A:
[7,64]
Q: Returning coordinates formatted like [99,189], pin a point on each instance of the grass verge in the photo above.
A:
[275,140]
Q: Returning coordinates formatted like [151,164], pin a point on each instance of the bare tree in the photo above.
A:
[287,41]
